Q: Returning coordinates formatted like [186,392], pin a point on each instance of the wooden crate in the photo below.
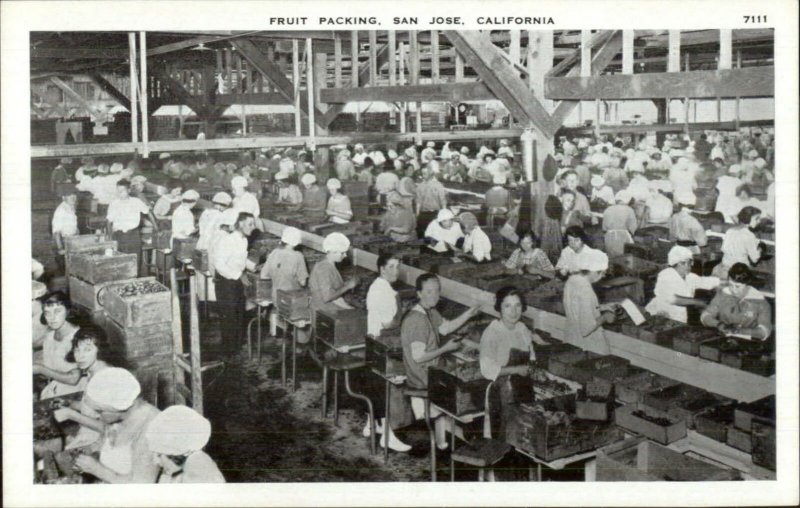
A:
[715,422]
[162,239]
[294,305]
[535,429]
[183,248]
[88,295]
[761,408]
[740,439]
[668,397]
[257,289]
[549,297]
[138,303]
[639,460]
[200,260]
[458,389]
[656,330]
[764,446]
[44,425]
[688,409]
[637,418]
[79,243]
[561,364]
[632,389]
[346,327]
[585,370]
[593,408]
[156,375]
[97,268]
[384,354]
[86,247]
[140,342]
[687,339]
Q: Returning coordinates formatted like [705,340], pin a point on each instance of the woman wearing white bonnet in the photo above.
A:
[443,233]
[326,283]
[314,197]
[285,265]
[339,210]
[177,437]
[676,284]
[585,315]
[124,454]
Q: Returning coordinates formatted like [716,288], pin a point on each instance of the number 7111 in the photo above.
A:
[755,19]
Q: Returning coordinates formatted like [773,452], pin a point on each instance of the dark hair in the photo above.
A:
[747,213]
[487,155]
[91,332]
[740,273]
[425,277]
[529,234]
[243,216]
[746,188]
[717,160]
[56,298]
[124,183]
[368,162]
[507,291]
[384,258]
[553,207]
[576,232]
[565,174]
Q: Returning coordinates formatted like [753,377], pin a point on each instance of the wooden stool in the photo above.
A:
[343,363]
[422,394]
[482,453]
[262,305]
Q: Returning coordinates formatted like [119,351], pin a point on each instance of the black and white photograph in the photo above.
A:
[411,251]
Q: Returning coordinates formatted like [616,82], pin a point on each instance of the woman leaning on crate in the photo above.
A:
[505,353]
[585,315]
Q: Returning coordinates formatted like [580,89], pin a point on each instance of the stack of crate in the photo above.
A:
[92,264]
[139,327]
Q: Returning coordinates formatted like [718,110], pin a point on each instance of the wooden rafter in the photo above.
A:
[449,92]
[75,96]
[501,78]
[80,53]
[178,91]
[382,58]
[274,74]
[111,90]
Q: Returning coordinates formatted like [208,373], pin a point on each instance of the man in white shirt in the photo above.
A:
[230,261]
[64,223]
[182,218]
[244,201]
[124,217]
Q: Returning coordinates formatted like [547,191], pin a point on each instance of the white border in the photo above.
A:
[18,18]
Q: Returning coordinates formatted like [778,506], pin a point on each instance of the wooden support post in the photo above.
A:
[143,94]
[719,110]
[239,73]
[320,78]
[674,51]
[177,332]
[133,81]
[459,67]
[514,46]
[310,88]
[419,123]
[686,67]
[249,78]
[354,68]
[402,75]
[435,56]
[229,69]
[597,106]
[586,53]
[737,120]
[413,57]
[194,344]
[725,49]
[337,60]
[298,126]
[218,60]
[392,67]
[738,58]
[627,51]
[540,61]
[373,58]
[686,115]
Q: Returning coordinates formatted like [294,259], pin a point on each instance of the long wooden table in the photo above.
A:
[714,377]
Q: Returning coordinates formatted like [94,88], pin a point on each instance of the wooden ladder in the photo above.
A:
[188,363]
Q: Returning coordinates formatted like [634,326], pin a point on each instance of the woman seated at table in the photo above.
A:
[62,373]
[575,250]
[338,210]
[506,351]
[420,331]
[529,258]
[676,284]
[176,437]
[571,216]
[585,315]
[739,308]
[443,233]
[289,193]
[476,243]
[740,244]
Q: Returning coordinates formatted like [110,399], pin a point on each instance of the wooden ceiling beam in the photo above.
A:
[449,92]
[178,91]
[747,82]
[76,97]
[79,53]
[501,78]
[111,90]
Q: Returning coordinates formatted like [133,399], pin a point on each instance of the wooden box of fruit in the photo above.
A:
[138,303]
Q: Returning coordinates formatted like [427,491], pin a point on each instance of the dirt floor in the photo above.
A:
[264,432]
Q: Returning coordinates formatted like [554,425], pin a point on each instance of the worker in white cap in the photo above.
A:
[377,158]
[601,193]
[683,182]
[498,199]
[124,454]
[228,256]
[428,153]
[758,175]
[505,149]
[315,198]
[208,227]
[325,282]
[124,218]
[64,223]
[686,230]
[289,194]
[344,167]
[676,285]
[584,314]
[659,207]
[385,182]
[243,200]
[431,197]
[358,154]
[177,436]
[443,233]
[727,202]
[285,265]
[338,209]
[476,243]
[619,224]
[183,225]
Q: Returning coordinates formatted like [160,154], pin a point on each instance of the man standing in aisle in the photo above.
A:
[431,197]
[65,223]
[124,217]
[230,261]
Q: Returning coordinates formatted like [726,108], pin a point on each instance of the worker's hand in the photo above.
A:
[452,345]
[520,370]
[61,414]
[608,317]
[351,283]
[245,281]
[61,252]
[87,464]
